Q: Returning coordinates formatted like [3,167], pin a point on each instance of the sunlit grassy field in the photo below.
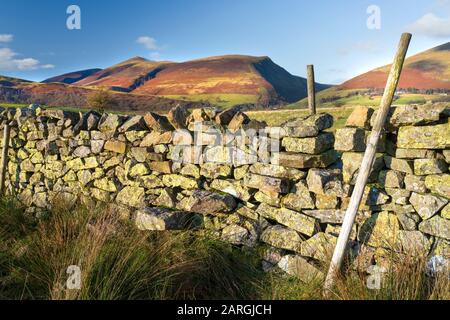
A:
[277,117]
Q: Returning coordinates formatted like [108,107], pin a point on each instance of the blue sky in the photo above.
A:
[333,35]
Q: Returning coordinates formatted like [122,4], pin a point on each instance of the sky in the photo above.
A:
[341,38]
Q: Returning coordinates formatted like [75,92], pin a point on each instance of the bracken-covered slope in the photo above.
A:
[225,80]
[427,70]
[125,76]
[257,77]
[16,91]
[72,77]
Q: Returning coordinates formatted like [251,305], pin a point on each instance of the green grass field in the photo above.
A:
[277,117]
[221,100]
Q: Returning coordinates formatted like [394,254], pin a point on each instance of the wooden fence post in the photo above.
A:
[4,161]
[367,163]
[311,89]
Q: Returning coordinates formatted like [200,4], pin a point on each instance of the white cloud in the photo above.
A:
[10,62]
[148,42]
[431,26]
[6,37]
[360,46]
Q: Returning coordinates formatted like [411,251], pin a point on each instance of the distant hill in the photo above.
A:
[72,77]
[427,70]
[425,77]
[17,91]
[223,80]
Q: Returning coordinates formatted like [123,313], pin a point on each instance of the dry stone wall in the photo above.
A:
[284,190]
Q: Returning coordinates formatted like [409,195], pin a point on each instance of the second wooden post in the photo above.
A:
[311,89]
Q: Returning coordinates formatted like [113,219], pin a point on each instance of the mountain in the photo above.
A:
[17,91]
[425,77]
[427,70]
[222,80]
[72,77]
[252,79]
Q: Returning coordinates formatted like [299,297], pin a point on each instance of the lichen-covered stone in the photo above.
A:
[414,153]
[109,123]
[206,202]
[157,123]
[131,196]
[424,167]
[160,219]
[299,267]
[360,117]
[234,188]
[327,182]
[138,170]
[415,183]
[174,180]
[214,170]
[315,145]
[414,243]
[156,138]
[335,230]
[281,237]
[436,226]
[415,114]
[166,199]
[427,205]
[351,162]
[424,137]
[402,165]
[235,234]
[439,184]
[319,247]
[445,213]
[105,184]
[190,170]
[151,182]
[381,230]
[301,198]
[265,183]
[140,154]
[326,201]
[277,171]
[273,200]
[321,121]
[82,152]
[289,218]
[115,146]
[90,163]
[399,196]
[161,166]
[350,139]
[409,221]
[304,161]
[100,195]
[391,179]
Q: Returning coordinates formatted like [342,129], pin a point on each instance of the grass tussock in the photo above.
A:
[119,262]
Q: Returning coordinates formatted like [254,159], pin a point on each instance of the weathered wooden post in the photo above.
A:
[367,163]
[4,163]
[311,89]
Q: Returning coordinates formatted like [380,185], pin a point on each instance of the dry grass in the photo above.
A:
[118,262]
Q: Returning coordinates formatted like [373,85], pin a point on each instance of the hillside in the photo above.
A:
[125,76]
[16,91]
[425,77]
[223,80]
[427,70]
[72,77]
